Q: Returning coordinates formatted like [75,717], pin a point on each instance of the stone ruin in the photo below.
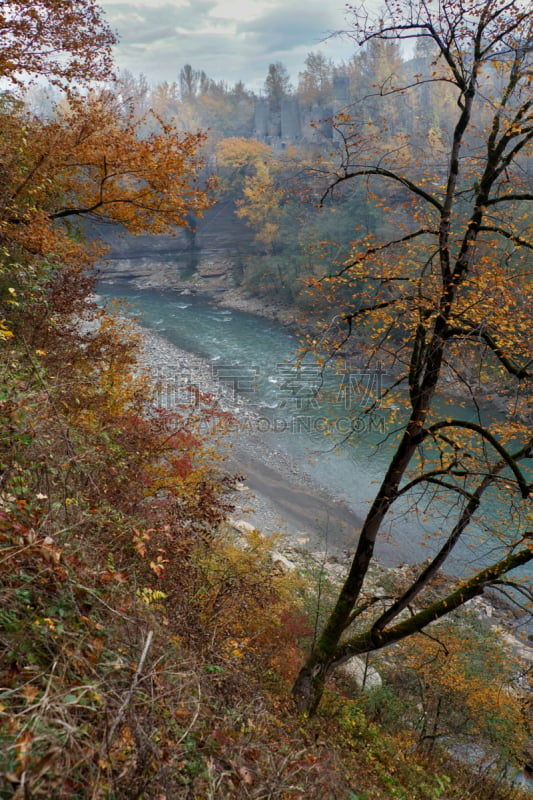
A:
[295,124]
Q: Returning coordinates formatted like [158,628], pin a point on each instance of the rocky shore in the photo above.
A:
[276,496]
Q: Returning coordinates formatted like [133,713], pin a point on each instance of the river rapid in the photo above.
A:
[330,427]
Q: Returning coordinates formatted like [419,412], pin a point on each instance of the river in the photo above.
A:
[305,419]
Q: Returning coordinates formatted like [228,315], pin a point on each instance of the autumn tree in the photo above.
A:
[315,82]
[239,158]
[63,41]
[94,156]
[92,160]
[447,300]
[260,205]
[461,682]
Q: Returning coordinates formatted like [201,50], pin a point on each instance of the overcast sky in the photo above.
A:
[230,40]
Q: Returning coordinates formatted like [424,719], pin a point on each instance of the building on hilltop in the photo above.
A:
[297,124]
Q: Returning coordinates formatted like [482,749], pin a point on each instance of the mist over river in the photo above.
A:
[324,425]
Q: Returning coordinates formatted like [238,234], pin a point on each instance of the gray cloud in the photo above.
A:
[158,40]
[137,22]
[286,28]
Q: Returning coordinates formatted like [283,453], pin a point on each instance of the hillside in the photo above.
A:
[148,648]
[154,643]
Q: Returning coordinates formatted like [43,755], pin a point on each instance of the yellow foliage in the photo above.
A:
[238,157]
[260,206]
[467,680]
[5,333]
[241,596]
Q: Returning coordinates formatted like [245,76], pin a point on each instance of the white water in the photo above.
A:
[256,358]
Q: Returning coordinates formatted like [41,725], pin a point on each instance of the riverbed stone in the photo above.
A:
[282,562]
[241,525]
[363,676]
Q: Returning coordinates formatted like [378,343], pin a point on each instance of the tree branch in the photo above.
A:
[486,434]
[369,641]
[507,235]
[476,330]
[385,173]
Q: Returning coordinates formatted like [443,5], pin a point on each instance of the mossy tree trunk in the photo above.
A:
[462,223]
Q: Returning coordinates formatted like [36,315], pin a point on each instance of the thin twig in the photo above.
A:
[132,688]
[122,709]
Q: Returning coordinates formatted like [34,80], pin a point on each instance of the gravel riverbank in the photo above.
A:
[276,495]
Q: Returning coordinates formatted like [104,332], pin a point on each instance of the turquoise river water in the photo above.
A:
[324,425]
